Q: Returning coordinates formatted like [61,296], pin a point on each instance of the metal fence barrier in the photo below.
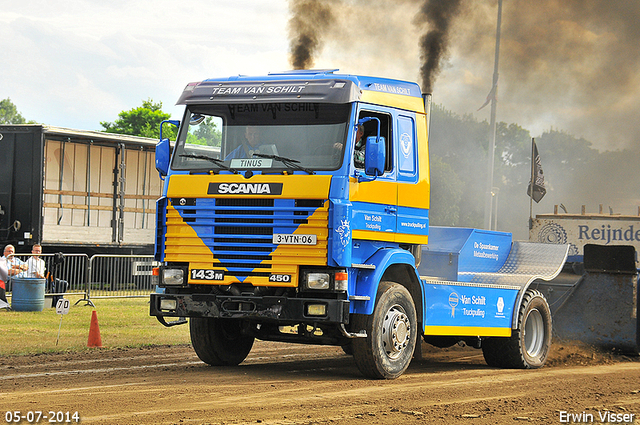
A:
[100,276]
[71,268]
[120,275]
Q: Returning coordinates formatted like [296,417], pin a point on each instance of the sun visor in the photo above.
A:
[318,91]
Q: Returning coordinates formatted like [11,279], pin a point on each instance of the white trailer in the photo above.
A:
[74,190]
[583,229]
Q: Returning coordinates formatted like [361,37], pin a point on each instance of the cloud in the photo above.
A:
[76,64]
[565,64]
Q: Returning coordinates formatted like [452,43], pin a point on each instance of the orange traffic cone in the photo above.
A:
[94,332]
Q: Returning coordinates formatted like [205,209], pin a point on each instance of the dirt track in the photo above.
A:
[295,384]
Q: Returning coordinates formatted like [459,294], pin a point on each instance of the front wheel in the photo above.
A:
[219,342]
[528,346]
[347,349]
[391,334]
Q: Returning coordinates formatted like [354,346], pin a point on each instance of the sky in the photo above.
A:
[75,63]
[567,65]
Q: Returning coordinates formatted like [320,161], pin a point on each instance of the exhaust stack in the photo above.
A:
[426,97]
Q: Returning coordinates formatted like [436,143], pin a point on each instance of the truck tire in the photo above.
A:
[529,344]
[347,349]
[391,334]
[219,342]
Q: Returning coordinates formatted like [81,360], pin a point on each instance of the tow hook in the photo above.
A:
[180,321]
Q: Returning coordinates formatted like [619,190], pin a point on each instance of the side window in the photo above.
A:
[370,128]
[406,146]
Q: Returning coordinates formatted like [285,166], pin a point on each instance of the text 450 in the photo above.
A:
[280,278]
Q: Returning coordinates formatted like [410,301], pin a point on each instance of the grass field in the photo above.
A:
[123,322]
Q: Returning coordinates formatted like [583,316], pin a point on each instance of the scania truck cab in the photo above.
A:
[295,208]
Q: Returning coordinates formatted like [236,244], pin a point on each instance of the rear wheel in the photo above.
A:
[391,334]
[528,346]
[219,342]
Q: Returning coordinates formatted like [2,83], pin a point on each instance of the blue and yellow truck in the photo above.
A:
[295,208]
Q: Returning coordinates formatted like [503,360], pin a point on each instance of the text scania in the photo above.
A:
[244,188]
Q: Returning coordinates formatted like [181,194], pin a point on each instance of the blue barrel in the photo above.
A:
[27,294]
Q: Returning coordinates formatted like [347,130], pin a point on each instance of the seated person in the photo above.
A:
[15,266]
[248,148]
[359,151]
[4,276]
[35,264]
[360,146]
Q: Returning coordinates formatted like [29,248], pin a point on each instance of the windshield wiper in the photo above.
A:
[292,163]
[220,163]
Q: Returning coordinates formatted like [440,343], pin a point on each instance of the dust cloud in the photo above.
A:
[564,64]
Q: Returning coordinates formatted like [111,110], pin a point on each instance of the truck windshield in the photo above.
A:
[222,137]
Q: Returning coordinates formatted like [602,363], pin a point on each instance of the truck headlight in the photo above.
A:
[167,304]
[172,277]
[332,280]
[318,280]
[316,310]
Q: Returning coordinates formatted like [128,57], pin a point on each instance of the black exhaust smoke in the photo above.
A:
[313,21]
[307,26]
[437,14]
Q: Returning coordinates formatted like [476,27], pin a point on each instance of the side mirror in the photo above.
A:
[163,151]
[163,155]
[375,157]
[172,122]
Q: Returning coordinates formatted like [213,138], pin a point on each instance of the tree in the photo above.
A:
[446,193]
[141,121]
[206,133]
[575,172]
[458,147]
[9,113]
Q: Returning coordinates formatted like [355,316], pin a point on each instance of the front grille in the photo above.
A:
[243,230]
[238,234]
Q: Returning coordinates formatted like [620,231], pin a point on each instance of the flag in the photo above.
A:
[537,176]
[491,96]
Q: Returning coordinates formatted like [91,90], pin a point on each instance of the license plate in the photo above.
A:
[284,239]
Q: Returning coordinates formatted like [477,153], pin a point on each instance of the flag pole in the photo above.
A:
[488,204]
[533,141]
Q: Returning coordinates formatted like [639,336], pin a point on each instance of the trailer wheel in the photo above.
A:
[528,346]
[219,342]
[391,334]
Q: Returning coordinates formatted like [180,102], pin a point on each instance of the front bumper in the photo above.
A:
[260,308]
